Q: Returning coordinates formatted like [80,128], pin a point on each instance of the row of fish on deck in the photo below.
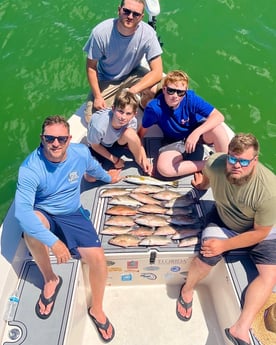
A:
[154,213]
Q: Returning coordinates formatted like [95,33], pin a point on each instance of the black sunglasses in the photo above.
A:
[62,139]
[128,12]
[171,91]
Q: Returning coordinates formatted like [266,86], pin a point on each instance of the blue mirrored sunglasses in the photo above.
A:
[62,139]
[243,162]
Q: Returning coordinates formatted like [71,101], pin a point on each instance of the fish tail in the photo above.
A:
[175,184]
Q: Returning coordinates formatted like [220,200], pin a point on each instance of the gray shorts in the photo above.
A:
[201,152]
[262,253]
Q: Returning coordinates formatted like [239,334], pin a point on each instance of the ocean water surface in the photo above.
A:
[226,46]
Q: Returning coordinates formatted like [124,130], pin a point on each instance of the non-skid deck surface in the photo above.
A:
[146,315]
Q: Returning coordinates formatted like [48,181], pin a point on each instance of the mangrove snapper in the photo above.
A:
[125,240]
[120,221]
[189,241]
[155,240]
[122,210]
[151,220]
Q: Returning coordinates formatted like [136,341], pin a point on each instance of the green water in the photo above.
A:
[226,46]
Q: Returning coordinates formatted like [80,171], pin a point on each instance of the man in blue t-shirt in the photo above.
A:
[48,208]
[115,50]
[187,121]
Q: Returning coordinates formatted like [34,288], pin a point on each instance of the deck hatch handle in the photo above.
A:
[152,257]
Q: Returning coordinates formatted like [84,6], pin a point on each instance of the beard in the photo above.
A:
[239,181]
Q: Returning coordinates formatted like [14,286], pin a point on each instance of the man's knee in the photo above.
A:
[211,261]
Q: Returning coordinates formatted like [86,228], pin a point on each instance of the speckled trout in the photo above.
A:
[137,179]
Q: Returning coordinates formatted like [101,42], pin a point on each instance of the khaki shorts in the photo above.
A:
[110,88]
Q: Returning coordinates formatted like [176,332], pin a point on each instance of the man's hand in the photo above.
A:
[99,103]
[115,175]
[212,247]
[61,252]
[200,181]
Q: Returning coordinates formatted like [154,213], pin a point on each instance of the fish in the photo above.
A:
[142,231]
[165,231]
[148,189]
[115,230]
[189,241]
[179,211]
[125,240]
[110,192]
[156,209]
[182,220]
[166,195]
[124,200]
[144,198]
[137,179]
[182,201]
[120,221]
[184,233]
[122,210]
[151,220]
[155,240]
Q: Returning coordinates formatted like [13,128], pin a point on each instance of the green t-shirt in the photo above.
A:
[241,206]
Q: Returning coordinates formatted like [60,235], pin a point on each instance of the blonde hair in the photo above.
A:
[176,76]
[243,141]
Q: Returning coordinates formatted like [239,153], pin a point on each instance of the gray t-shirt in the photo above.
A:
[119,55]
[100,130]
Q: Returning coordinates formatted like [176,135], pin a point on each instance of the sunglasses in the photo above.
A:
[51,138]
[171,91]
[243,162]
[128,12]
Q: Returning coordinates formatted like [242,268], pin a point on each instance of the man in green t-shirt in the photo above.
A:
[244,217]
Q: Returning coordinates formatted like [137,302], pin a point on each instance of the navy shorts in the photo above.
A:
[262,253]
[74,229]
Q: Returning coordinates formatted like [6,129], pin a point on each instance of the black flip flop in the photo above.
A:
[235,341]
[185,305]
[47,301]
[102,326]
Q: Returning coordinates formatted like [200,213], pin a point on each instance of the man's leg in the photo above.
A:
[41,256]
[95,259]
[197,271]
[256,295]
[219,137]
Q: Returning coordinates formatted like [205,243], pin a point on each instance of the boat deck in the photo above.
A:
[142,287]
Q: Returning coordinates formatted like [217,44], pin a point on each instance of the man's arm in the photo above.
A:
[92,76]
[200,181]
[215,246]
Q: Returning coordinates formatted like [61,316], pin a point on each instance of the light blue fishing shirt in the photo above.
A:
[52,187]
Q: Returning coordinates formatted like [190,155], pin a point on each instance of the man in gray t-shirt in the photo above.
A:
[115,50]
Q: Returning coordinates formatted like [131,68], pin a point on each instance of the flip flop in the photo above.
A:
[102,326]
[185,305]
[47,301]
[235,341]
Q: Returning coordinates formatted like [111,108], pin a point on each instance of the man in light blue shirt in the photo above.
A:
[48,198]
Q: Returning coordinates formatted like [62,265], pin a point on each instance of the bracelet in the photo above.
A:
[117,161]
